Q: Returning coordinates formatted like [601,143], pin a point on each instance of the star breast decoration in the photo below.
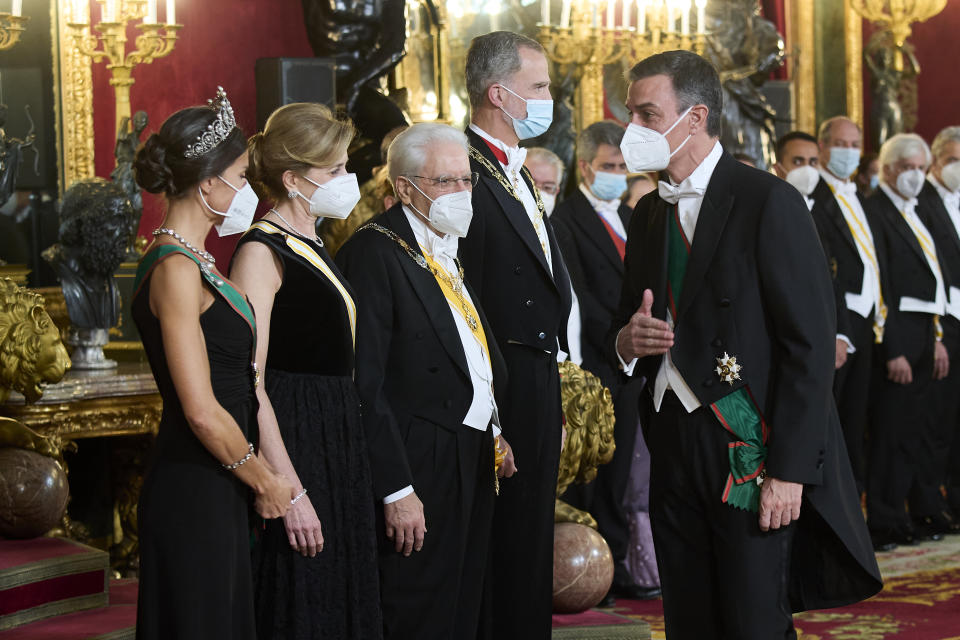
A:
[728,369]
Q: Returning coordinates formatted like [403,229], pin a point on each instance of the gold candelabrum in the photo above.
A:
[12,25]
[896,16]
[595,33]
[153,41]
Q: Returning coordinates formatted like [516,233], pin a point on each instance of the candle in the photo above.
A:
[625,20]
[171,12]
[685,18]
[151,17]
[565,14]
[701,17]
[17,7]
[641,16]
[108,12]
[611,16]
[595,21]
[81,11]
[545,12]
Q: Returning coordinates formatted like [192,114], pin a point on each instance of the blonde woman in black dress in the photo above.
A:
[198,332]
[315,573]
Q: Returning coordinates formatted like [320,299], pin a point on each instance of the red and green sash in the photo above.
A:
[737,411]
[233,297]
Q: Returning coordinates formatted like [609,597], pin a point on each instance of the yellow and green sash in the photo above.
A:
[737,412]
[460,303]
[233,297]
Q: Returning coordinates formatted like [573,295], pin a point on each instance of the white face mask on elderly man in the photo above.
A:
[450,213]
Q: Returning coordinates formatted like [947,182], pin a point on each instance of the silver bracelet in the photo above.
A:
[231,467]
[299,495]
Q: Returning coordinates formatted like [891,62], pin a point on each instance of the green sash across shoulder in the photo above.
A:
[737,411]
[226,290]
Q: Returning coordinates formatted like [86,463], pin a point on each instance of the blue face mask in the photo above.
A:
[843,161]
[539,117]
[608,186]
[874,181]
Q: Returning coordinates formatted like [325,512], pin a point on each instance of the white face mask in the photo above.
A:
[239,215]
[648,150]
[910,183]
[335,198]
[804,179]
[450,213]
[950,176]
[549,202]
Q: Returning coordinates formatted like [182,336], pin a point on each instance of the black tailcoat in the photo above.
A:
[527,305]
[755,287]
[415,387]
[596,270]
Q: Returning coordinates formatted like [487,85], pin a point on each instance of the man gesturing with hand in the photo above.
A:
[728,312]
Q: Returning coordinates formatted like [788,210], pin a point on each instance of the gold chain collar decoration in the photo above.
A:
[504,182]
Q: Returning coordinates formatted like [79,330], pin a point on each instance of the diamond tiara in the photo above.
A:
[218,130]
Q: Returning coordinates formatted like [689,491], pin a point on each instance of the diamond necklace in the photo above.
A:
[206,259]
[293,228]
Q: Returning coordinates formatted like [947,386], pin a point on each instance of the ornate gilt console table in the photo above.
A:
[96,404]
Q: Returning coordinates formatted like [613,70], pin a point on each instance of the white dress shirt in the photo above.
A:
[907,209]
[688,208]
[483,408]
[867,301]
[609,210]
[951,202]
[515,158]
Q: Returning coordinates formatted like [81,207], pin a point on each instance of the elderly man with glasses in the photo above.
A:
[427,364]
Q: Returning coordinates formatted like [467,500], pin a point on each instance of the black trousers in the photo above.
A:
[851,386]
[903,425]
[722,577]
[603,498]
[523,518]
[442,591]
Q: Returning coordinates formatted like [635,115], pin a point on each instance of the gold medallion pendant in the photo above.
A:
[728,369]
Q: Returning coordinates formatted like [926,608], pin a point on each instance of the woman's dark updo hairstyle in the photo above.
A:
[162,167]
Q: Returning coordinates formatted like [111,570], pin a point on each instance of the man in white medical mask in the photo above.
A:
[591,227]
[427,369]
[939,208]
[727,310]
[798,158]
[848,242]
[546,169]
[906,436]
[511,257]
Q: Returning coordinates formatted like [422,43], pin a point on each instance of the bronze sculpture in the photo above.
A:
[128,139]
[11,152]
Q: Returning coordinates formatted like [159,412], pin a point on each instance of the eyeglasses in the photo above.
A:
[549,187]
[449,183]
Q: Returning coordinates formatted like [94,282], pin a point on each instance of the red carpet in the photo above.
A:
[920,601]
[115,622]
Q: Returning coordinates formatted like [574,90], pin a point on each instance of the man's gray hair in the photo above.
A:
[541,154]
[946,136]
[695,81]
[409,151]
[904,145]
[823,135]
[493,58]
[603,132]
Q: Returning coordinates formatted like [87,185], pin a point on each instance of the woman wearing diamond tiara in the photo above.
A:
[198,332]
[310,581]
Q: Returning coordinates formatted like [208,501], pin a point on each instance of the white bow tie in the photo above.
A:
[515,157]
[608,206]
[952,200]
[672,193]
[444,246]
[847,188]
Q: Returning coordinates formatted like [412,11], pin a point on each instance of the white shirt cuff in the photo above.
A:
[627,368]
[850,347]
[397,495]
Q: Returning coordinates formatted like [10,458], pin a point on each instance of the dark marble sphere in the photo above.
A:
[582,567]
[33,493]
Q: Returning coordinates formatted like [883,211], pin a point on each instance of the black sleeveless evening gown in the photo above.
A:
[309,380]
[195,578]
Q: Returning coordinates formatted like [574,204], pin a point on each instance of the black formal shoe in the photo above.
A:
[930,528]
[609,601]
[882,542]
[635,591]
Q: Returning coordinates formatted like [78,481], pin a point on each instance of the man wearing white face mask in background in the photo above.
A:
[427,369]
[546,169]
[904,425]
[939,208]
[847,240]
[513,262]
[797,162]
[727,310]
[591,227]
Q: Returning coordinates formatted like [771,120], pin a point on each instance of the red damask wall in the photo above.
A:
[937,44]
[218,45]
